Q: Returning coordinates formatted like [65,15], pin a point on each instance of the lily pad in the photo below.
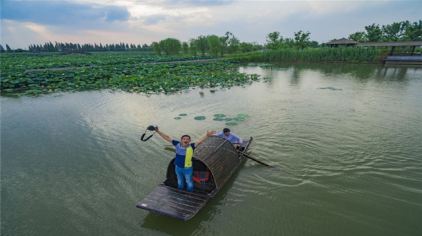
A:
[199,118]
[219,115]
[177,118]
[231,123]
[183,114]
[219,119]
[242,115]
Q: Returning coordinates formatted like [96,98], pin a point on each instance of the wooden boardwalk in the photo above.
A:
[403,60]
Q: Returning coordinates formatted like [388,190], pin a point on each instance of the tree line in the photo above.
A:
[76,47]
[397,31]
[300,40]
[205,44]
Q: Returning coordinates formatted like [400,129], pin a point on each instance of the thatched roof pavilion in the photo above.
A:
[341,42]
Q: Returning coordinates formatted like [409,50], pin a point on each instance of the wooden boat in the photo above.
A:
[214,162]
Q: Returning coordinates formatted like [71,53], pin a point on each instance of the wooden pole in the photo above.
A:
[249,157]
[392,50]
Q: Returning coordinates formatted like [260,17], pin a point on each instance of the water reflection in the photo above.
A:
[295,78]
[361,72]
[395,73]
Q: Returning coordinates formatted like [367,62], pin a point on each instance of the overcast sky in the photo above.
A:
[24,22]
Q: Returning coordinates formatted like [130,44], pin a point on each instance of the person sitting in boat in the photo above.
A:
[231,137]
[183,161]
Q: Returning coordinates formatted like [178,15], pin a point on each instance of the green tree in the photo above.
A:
[413,31]
[214,44]
[202,44]
[373,33]
[170,46]
[393,32]
[228,43]
[2,49]
[313,44]
[273,40]
[233,43]
[249,47]
[288,43]
[185,47]
[156,47]
[358,37]
[193,47]
[224,41]
[302,39]
[245,47]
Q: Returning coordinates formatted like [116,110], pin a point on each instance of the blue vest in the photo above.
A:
[183,155]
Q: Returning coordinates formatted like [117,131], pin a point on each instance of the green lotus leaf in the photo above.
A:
[199,117]
[231,123]
[219,119]
[242,115]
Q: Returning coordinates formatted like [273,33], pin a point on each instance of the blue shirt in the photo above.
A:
[233,138]
[180,153]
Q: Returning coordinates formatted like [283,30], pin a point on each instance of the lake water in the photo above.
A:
[346,141]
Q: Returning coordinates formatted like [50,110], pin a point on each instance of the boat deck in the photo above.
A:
[173,202]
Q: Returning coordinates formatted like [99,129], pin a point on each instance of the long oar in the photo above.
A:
[249,157]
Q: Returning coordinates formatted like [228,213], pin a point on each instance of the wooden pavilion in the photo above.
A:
[342,42]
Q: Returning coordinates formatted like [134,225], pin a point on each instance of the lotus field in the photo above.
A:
[35,74]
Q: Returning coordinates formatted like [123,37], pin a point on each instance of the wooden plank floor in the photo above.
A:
[172,202]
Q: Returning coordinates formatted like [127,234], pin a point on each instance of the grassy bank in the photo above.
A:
[313,55]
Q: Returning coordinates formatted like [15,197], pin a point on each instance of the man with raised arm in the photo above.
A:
[183,160]
[231,137]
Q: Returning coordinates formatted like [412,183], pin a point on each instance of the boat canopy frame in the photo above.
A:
[216,155]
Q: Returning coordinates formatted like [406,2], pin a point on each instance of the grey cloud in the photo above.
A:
[200,2]
[62,13]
